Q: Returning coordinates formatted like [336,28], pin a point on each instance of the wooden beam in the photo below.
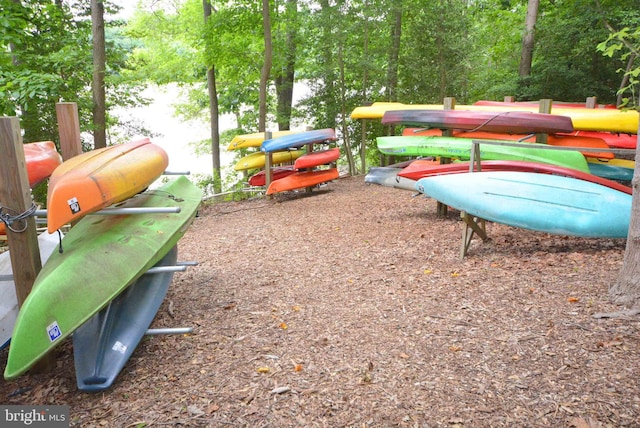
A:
[449,103]
[69,130]
[15,195]
[544,107]
[268,163]
[472,225]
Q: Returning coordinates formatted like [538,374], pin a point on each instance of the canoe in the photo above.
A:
[590,144]
[259,179]
[317,158]
[298,140]
[302,179]
[509,122]
[541,202]
[460,148]
[254,140]
[613,139]
[9,302]
[94,180]
[103,345]
[42,158]
[102,256]
[257,160]
[423,168]
[614,169]
[388,177]
[609,120]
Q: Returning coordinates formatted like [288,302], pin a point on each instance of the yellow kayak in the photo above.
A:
[583,119]
[257,160]
[254,140]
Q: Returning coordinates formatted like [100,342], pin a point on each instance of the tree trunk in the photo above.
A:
[266,67]
[626,290]
[344,114]
[394,53]
[285,76]
[365,84]
[526,57]
[213,111]
[99,67]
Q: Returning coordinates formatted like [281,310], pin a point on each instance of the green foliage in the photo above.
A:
[626,45]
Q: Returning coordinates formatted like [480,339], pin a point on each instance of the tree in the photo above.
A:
[266,66]
[99,69]
[213,108]
[626,290]
[528,40]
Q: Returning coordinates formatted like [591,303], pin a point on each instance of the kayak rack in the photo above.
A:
[124,211]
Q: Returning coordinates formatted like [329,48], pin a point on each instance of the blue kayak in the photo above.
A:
[542,202]
[103,345]
[298,140]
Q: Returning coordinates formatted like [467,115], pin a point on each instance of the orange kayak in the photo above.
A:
[320,157]
[94,180]
[586,142]
[42,159]
[302,179]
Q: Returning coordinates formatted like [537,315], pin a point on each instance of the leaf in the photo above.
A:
[573,299]
[263,369]
[283,326]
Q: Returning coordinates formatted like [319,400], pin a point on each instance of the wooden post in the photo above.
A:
[268,162]
[309,149]
[68,129]
[591,102]
[15,195]
[545,107]
[449,103]
[509,99]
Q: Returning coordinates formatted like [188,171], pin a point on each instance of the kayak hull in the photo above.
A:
[302,179]
[317,158]
[298,140]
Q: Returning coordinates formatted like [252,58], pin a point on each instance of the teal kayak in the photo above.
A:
[541,202]
[460,148]
[103,254]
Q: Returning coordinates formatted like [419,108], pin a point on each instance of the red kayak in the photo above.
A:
[302,179]
[260,178]
[425,168]
[613,139]
[511,122]
[41,159]
[564,140]
[317,158]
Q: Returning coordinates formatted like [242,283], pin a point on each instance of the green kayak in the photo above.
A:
[460,148]
[103,254]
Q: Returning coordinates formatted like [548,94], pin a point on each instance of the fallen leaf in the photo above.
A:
[297,368]
[573,299]
[284,326]
[263,369]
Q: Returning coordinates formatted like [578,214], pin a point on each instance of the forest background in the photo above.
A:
[345,53]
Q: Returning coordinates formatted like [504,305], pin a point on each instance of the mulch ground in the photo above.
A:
[351,306]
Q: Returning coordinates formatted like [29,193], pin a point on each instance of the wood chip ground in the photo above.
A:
[351,307]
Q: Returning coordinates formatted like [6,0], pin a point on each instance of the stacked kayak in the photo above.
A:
[102,256]
[94,180]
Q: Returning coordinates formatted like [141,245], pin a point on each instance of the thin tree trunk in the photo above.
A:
[394,53]
[343,113]
[526,57]
[266,67]
[99,67]
[284,79]
[213,111]
[365,85]
[626,290]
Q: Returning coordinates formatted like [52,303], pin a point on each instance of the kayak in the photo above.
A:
[259,179]
[257,160]
[388,177]
[509,122]
[94,180]
[103,345]
[298,140]
[302,179]
[541,202]
[423,168]
[254,140]
[610,120]
[317,158]
[460,148]
[102,256]
[42,158]
[559,140]
[47,243]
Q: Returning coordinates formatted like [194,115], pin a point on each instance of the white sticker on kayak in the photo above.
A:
[74,205]
[53,330]
[119,347]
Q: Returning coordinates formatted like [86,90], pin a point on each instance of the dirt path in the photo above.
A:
[351,307]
